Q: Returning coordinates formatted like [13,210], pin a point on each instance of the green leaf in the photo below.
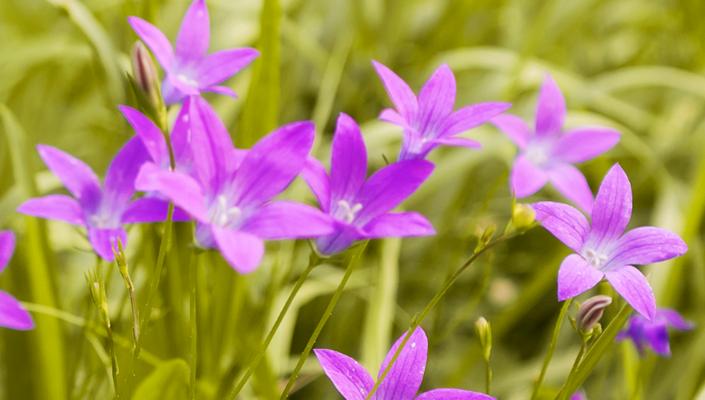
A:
[170,380]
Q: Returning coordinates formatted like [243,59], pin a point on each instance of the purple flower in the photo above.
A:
[548,153]
[401,383]
[603,250]
[654,333]
[231,196]
[429,120]
[189,69]
[12,314]
[360,206]
[101,209]
[579,395]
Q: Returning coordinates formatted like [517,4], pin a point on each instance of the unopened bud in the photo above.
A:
[590,312]
[485,235]
[145,74]
[484,333]
[523,216]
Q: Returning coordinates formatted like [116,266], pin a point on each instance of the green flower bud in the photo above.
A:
[523,216]
[591,311]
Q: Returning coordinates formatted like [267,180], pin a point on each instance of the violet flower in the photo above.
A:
[548,153]
[602,248]
[101,209]
[401,383]
[12,314]
[429,120]
[360,206]
[231,196]
[644,333]
[189,69]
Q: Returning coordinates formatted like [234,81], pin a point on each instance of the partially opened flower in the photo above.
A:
[429,120]
[603,249]
[401,383]
[12,314]
[653,333]
[232,194]
[361,206]
[101,209]
[190,70]
[547,152]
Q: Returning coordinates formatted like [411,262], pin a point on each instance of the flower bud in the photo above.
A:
[145,74]
[590,312]
[523,216]
[484,332]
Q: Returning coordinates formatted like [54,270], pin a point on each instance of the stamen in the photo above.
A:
[348,212]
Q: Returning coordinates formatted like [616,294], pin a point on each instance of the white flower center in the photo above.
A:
[537,154]
[187,80]
[222,214]
[346,212]
[595,258]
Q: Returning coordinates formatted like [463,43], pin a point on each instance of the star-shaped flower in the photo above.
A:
[603,249]
[654,333]
[12,314]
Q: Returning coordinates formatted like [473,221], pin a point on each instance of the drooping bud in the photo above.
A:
[484,333]
[591,311]
[523,216]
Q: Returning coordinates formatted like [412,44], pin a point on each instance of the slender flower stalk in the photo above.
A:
[551,348]
[193,314]
[96,289]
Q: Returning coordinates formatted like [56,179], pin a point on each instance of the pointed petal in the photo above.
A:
[550,110]
[631,284]
[514,127]
[657,336]
[105,240]
[349,377]
[405,376]
[54,206]
[571,183]
[584,144]
[224,90]
[436,100]
[183,190]
[7,247]
[674,319]
[151,136]
[155,40]
[288,220]
[393,117]
[457,142]
[194,33]
[181,140]
[403,224]
[13,315]
[212,146]
[222,65]
[314,174]
[564,222]
[122,172]
[76,176]
[526,178]
[453,394]
[612,209]
[348,160]
[646,245]
[472,116]
[146,209]
[399,92]
[243,251]
[343,236]
[576,276]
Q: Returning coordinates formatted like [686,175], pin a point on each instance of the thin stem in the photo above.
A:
[551,348]
[314,260]
[488,376]
[354,259]
[193,270]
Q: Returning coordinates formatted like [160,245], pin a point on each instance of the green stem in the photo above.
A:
[193,270]
[551,348]
[488,377]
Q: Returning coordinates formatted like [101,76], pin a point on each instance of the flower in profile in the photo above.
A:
[654,333]
[12,314]
[547,153]
[401,383]
[101,209]
[360,206]
[429,120]
[603,249]
[189,69]
[231,192]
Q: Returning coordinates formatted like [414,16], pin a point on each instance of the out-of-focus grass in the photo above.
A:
[631,64]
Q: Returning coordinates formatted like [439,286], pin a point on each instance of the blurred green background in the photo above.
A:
[632,64]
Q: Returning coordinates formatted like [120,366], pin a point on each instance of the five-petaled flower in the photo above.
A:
[189,69]
[401,383]
[603,250]
[360,206]
[102,209]
[231,196]
[548,153]
[654,333]
[12,314]
[429,120]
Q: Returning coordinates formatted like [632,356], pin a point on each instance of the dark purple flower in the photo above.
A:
[603,250]
[401,383]
[654,333]
[12,314]
[189,69]
[547,153]
[232,192]
[101,209]
[360,206]
[429,120]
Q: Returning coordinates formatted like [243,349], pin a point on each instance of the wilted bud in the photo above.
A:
[145,73]
[484,332]
[590,312]
[485,235]
[523,216]
[97,292]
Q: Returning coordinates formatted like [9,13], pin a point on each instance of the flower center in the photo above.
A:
[537,154]
[595,258]
[222,214]
[184,78]
[346,212]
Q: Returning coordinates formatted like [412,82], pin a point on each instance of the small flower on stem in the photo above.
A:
[653,333]
[12,314]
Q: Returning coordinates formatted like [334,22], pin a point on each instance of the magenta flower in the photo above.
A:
[644,333]
[12,314]
[360,206]
[189,69]
[401,383]
[548,153]
[101,209]
[231,196]
[429,120]
[603,250]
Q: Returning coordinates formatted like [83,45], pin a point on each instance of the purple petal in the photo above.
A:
[13,315]
[404,378]
[647,245]
[457,142]
[612,209]
[393,117]
[631,284]
[288,220]
[54,206]
[571,183]
[550,110]
[514,127]
[453,394]
[122,172]
[181,140]
[146,209]
[155,40]
[348,160]
[349,377]
[149,133]
[436,99]
[576,276]
[221,65]
[7,247]
[76,176]
[564,222]
[584,144]
[194,33]
[526,178]
[472,116]
[402,224]
[212,146]
[183,190]
[657,336]
[243,251]
[399,92]
[314,173]
[343,236]
[224,90]
[105,240]
[674,319]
